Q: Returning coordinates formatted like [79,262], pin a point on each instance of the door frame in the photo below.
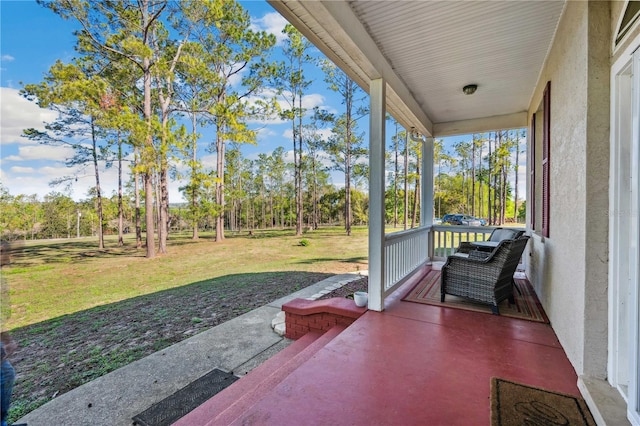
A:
[624,225]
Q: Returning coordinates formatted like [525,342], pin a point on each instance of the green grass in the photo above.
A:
[49,279]
[78,313]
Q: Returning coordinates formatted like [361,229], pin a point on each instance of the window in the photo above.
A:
[540,172]
[629,19]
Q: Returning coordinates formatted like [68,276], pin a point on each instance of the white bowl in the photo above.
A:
[361,298]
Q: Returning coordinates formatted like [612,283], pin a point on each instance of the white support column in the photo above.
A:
[377,95]
[426,214]
[426,206]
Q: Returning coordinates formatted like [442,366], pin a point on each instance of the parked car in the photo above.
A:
[462,219]
[447,218]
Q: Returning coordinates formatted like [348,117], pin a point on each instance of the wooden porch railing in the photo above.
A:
[447,238]
[406,251]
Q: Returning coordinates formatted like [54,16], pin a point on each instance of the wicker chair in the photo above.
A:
[497,235]
[487,280]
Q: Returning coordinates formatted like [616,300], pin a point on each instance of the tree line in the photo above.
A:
[480,177]
[152,75]
[261,193]
[144,68]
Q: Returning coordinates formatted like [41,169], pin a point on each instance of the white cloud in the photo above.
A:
[236,79]
[209,161]
[7,58]
[288,156]
[32,180]
[272,23]
[288,134]
[19,169]
[324,133]
[265,132]
[313,100]
[43,152]
[17,114]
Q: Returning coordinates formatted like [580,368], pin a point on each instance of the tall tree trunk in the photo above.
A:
[481,188]
[416,197]
[516,167]
[438,188]
[347,194]
[163,218]
[489,173]
[263,208]
[395,180]
[283,216]
[272,223]
[120,209]
[147,157]
[149,216]
[406,178]
[156,192]
[315,195]
[98,192]
[138,213]
[220,184]
[495,181]
[473,176]
[194,179]
[299,195]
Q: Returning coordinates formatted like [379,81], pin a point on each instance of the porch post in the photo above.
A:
[426,213]
[377,96]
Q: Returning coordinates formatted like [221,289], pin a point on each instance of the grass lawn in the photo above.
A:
[78,313]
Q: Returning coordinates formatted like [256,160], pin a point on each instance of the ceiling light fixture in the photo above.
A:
[416,136]
[470,89]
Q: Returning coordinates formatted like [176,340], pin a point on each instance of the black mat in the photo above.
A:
[175,406]
[517,404]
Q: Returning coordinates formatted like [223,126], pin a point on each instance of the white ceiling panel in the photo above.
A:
[428,50]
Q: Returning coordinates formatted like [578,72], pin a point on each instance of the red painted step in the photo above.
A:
[229,404]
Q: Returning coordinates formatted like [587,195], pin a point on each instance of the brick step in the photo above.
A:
[229,404]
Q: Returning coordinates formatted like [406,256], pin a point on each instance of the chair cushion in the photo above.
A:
[503,234]
[458,254]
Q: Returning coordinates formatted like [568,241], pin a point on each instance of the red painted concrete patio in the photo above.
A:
[412,364]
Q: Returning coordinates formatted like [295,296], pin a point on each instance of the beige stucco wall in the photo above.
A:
[569,269]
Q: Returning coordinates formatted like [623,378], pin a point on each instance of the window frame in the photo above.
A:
[546,157]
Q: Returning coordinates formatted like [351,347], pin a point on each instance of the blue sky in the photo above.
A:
[32,39]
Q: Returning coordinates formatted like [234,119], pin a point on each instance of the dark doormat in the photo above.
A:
[175,406]
[517,404]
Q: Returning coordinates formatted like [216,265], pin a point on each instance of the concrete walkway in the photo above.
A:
[236,346]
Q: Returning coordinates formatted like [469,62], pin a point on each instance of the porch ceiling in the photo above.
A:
[428,50]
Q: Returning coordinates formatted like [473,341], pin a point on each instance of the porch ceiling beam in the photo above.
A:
[480,125]
[334,29]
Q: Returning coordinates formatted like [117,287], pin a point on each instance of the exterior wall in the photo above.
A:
[569,269]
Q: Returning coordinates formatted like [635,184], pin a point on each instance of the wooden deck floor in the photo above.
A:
[415,364]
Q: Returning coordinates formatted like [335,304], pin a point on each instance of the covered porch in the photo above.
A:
[418,61]
[412,364]
[566,71]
